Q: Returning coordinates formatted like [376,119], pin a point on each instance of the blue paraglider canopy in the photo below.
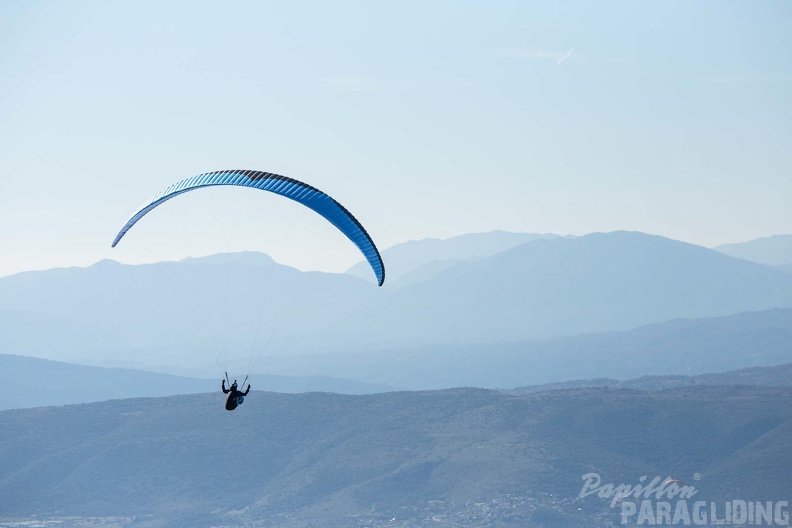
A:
[295,190]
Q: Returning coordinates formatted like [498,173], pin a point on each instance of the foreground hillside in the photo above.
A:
[465,456]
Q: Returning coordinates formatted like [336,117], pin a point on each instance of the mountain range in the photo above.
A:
[554,287]
[196,314]
[418,260]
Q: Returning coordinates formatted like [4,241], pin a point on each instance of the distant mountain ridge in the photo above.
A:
[774,250]
[432,255]
[179,307]
[598,282]
[194,311]
[787,268]
[775,376]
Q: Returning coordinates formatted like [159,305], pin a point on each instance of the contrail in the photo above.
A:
[566,56]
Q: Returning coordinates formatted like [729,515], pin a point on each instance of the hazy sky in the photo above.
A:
[423,118]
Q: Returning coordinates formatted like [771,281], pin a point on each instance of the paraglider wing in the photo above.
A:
[295,190]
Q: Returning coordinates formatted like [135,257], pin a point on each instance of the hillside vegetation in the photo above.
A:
[333,460]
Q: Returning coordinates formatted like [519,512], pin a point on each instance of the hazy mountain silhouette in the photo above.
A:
[470,457]
[598,282]
[45,335]
[775,376]
[787,268]
[231,306]
[677,347]
[433,255]
[31,382]
[774,250]
[220,305]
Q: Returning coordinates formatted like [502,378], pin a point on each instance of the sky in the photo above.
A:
[425,119]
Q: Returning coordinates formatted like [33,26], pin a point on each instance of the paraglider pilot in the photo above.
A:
[235,397]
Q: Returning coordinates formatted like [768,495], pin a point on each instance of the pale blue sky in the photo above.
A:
[424,119]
